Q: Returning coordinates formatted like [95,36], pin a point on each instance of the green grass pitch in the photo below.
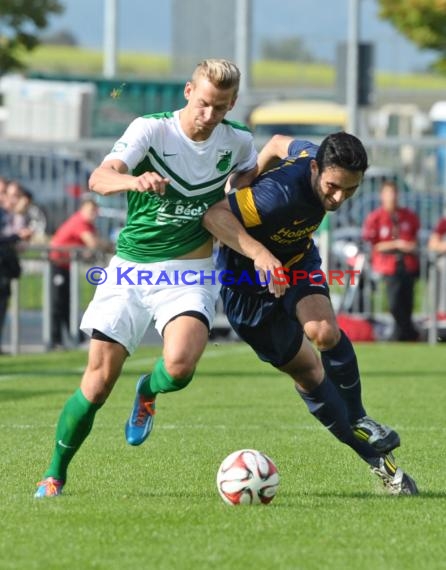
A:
[157,506]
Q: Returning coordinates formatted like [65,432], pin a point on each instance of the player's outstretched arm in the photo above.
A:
[273,151]
[112,177]
[221,222]
[241,179]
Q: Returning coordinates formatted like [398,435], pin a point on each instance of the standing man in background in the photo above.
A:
[13,230]
[437,239]
[78,231]
[437,246]
[392,232]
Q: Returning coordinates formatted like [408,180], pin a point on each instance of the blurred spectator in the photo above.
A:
[14,221]
[3,186]
[437,245]
[11,203]
[78,231]
[34,217]
[437,239]
[392,231]
[9,259]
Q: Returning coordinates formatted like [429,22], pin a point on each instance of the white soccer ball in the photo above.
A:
[247,477]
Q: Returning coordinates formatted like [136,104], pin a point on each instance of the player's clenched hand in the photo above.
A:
[270,271]
[151,182]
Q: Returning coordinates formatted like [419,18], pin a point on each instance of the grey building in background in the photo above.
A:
[207,28]
[202,29]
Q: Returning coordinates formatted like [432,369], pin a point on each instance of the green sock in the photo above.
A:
[75,423]
[161,381]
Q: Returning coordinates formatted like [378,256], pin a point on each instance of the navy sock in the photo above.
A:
[341,366]
[325,404]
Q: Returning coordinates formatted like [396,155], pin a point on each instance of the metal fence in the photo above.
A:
[57,174]
[32,294]
[362,297]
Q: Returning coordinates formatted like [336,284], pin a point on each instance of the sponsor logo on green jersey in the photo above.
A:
[224,160]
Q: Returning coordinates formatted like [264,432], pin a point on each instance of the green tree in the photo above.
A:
[422,21]
[20,22]
[59,38]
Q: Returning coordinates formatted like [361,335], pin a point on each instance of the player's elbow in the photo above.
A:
[280,145]
[214,214]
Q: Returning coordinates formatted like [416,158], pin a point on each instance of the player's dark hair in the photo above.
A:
[343,150]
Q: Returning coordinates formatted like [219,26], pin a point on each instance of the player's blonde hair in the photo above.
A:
[222,73]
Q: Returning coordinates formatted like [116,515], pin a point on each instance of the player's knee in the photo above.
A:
[179,368]
[97,385]
[322,334]
[98,380]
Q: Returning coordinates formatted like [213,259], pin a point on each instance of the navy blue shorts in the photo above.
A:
[270,325]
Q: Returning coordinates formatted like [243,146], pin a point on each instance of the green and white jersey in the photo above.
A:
[166,227]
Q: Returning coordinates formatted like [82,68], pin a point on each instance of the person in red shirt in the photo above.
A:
[392,231]
[437,240]
[437,245]
[77,231]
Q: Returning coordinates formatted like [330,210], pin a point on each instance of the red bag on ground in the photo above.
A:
[356,328]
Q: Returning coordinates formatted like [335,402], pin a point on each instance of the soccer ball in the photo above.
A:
[247,477]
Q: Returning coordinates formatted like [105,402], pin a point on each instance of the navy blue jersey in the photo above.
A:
[280,210]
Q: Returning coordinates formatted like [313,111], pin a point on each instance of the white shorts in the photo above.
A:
[134,294]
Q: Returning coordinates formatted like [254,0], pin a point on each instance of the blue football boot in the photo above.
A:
[140,423]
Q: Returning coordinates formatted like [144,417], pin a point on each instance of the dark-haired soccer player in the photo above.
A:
[282,209]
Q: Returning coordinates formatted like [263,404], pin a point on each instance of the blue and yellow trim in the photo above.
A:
[247,207]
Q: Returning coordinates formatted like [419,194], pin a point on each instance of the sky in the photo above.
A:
[145,25]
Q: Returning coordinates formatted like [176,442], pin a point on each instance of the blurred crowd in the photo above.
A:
[20,215]
[23,223]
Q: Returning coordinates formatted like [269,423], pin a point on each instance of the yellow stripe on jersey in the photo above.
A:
[248,210]
[294,259]
[297,258]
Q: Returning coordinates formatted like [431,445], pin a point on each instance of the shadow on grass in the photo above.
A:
[283,500]
[16,373]
[373,495]
[284,495]
[267,373]
[382,374]
[16,395]
[431,495]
